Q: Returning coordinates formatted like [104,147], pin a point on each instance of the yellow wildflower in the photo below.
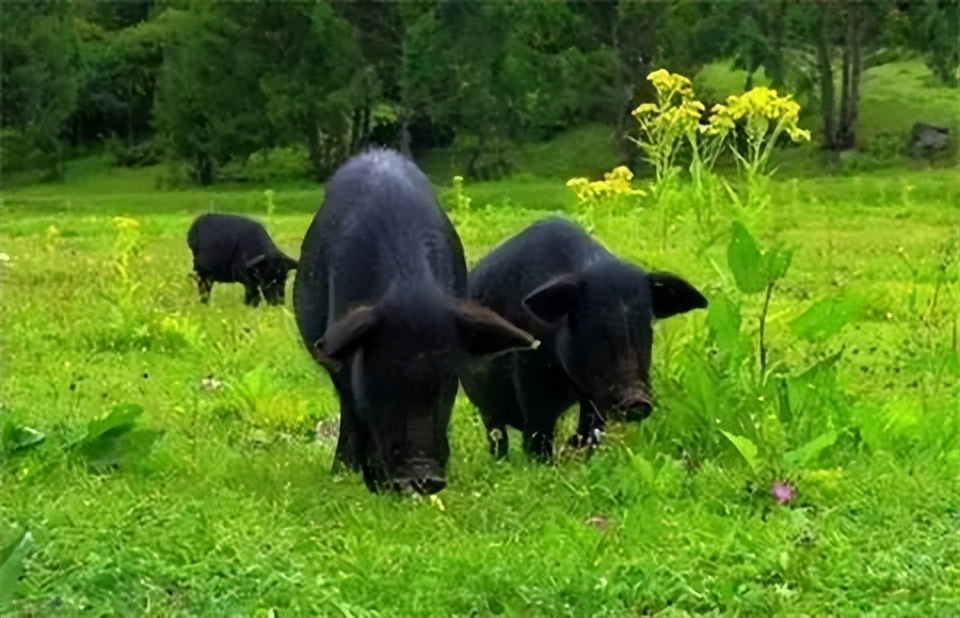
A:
[645,108]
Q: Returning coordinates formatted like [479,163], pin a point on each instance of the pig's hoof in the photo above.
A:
[590,441]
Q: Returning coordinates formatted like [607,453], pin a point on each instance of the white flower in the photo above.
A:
[210,383]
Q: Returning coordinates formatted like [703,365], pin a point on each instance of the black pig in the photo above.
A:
[380,303]
[594,314]
[234,249]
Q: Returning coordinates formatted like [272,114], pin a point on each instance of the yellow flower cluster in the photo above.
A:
[614,184]
[676,120]
[719,123]
[665,81]
[758,103]
[763,103]
[665,112]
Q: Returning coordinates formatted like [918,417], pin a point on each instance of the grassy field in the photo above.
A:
[234,510]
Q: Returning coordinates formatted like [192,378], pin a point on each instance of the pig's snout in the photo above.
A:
[635,407]
[425,486]
[422,477]
[428,485]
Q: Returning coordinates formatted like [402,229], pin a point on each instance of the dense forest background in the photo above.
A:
[214,87]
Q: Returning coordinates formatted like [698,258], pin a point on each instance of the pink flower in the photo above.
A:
[782,492]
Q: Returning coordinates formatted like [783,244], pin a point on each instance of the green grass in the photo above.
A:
[235,511]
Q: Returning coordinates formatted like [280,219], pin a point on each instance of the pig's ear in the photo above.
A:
[554,299]
[255,260]
[344,337]
[482,331]
[672,295]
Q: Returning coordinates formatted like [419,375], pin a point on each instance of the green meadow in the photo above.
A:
[209,491]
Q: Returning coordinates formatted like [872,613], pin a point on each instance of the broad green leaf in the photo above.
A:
[11,564]
[120,420]
[642,467]
[701,384]
[20,438]
[745,261]
[827,317]
[113,450]
[807,453]
[746,447]
[723,319]
[112,441]
[808,391]
[777,262]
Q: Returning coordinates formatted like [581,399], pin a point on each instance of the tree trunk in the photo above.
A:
[846,72]
[827,95]
[855,80]
[777,64]
[404,137]
[313,149]
[628,150]
[852,67]
[365,123]
[203,169]
[355,128]
[632,73]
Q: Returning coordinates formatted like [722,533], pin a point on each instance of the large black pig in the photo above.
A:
[380,303]
[594,314]
[235,249]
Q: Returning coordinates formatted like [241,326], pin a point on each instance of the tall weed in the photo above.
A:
[730,387]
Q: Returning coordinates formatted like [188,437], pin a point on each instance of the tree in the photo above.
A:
[378,32]
[761,40]
[857,28]
[38,84]
[934,28]
[244,77]
[474,37]
[118,76]
[678,35]
[209,106]
[311,76]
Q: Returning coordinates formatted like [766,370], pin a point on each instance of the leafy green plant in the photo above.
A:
[271,207]
[460,200]
[766,115]
[256,396]
[780,426]
[52,239]
[678,121]
[113,441]
[756,271]
[12,557]
[666,123]
[18,438]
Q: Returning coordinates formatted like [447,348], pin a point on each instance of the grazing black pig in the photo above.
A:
[594,314]
[380,303]
[234,249]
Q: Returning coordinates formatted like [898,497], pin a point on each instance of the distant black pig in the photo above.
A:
[594,314]
[380,303]
[234,249]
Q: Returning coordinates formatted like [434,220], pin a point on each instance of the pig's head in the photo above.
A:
[601,320]
[270,270]
[400,358]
